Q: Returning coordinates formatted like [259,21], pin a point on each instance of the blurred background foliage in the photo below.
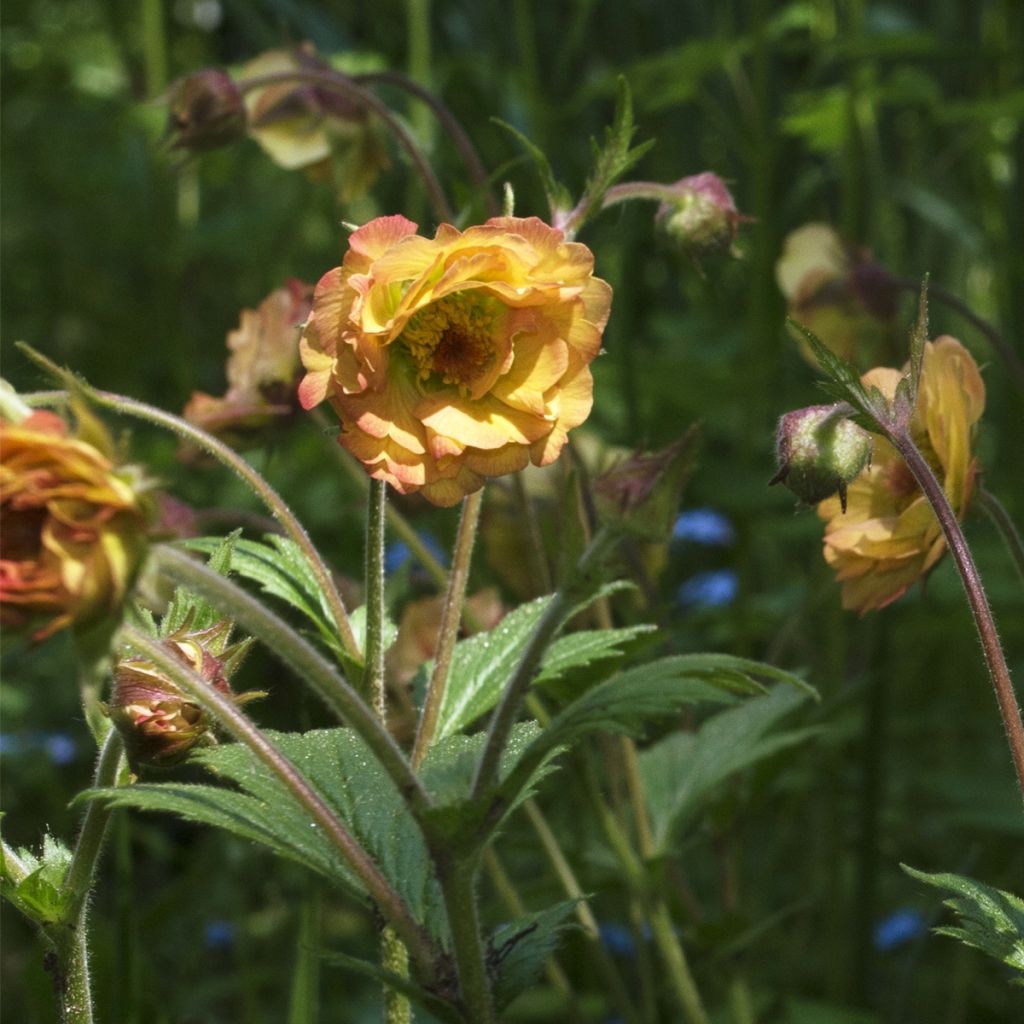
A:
[898,122]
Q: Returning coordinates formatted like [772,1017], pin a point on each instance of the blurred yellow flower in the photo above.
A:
[74,525]
[455,358]
[889,537]
[836,291]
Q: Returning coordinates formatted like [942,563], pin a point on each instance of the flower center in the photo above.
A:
[452,340]
[22,534]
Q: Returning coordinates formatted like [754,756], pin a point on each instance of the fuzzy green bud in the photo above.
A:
[819,452]
[701,217]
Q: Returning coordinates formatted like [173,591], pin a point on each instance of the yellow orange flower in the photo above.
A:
[889,537]
[74,525]
[837,292]
[455,358]
[262,370]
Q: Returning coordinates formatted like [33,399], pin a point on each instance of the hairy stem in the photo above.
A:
[994,509]
[458,884]
[220,451]
[234,721]
[451,619]
[995,659]
[345,86]
[373,674]
[298,654]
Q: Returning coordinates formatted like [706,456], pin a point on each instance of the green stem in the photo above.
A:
[70,969]
[538,555]
[674,958]
[995,659]
[346,87]
[234,721]
[220,451]
[458,884]
[373,673]
[298,654]
[451,619]
[505,714]
[994,509]
[304,1000]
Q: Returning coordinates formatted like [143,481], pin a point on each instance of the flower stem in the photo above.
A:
[451,618]
[220,451]
[458,884]
[505,713]
[998,670]
[70,968]
[298,654]
[373,673]
[235,722]
[994,509]
[674,959]
[346,87]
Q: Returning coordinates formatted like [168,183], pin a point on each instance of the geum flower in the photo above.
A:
[456,358]
[74,525]
[262,370]
[889,537]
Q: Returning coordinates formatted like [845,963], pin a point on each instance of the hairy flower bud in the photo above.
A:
[819,452]
[702,218]
[205,111]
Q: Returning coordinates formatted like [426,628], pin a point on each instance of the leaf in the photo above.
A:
[627,701]
[992,920]
[682,769]
[440,1008]
[918,338]
[281,570]
[617,155]
[341,768]
[517,950]
[579,649]
[38,894]
[557,195]
[186,607]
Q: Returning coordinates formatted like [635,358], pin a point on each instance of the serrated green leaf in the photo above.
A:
[38,894]
[557,195]
[341,768]
[992,920]
[918,338]
[518,949]
[615,156]
[281,570]
[579,649]
[682,769]
[191,609]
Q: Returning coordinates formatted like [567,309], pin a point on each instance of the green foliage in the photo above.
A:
[682,770]
[186,608]
[588,647]
[38,894]
[991,920]
[558,197]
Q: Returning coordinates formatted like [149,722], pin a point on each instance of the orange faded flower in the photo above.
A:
[262,370]
[889,537]
[837,292]
[74,525]
[455,358]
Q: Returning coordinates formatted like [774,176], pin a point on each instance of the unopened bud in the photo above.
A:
[702,216]
[206,111]
[819,452]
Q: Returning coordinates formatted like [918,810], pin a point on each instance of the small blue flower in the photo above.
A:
[219,935]
[60,748]
[11,743]
[709,589]
[397,554]
[617,939]
[899,928]
[704,526]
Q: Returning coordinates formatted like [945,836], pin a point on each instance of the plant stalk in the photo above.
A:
[451,619]
[458,884]
[995,659]
[373,673]
[235,722]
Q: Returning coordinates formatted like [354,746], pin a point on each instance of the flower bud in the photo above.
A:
[819,452]
[160,724]
[206,111]
[641,494]
[702,218]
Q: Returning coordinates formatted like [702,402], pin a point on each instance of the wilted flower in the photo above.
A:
[455,358]
[836,291]
[302,125]
[702,216]
[160,724]
[889,537]
[262,369]
[205,111]
[819,452]
[74,523]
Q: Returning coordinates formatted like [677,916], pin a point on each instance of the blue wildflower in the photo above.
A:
[60,748]
[704,526]
[899,928]
[397,554]
[709,589]
[219,934]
